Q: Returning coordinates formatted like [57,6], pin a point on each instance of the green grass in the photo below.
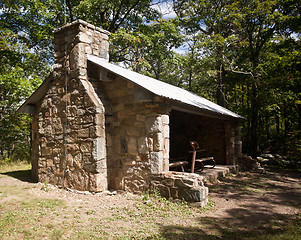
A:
[28,212]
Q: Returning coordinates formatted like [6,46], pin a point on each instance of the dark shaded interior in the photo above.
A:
[208,132]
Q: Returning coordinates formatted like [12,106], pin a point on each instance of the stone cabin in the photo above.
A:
[97,126]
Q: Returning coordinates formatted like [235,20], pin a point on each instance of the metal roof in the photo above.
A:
[163,89]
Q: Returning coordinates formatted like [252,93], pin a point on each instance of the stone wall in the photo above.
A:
[137,132]
[70,141]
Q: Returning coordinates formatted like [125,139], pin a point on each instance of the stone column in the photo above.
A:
[165,131]
[154,129]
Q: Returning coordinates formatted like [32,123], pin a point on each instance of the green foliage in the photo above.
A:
[14,128]
[244,55]
[112,15]
[247,54]
[20,74]
[149,49]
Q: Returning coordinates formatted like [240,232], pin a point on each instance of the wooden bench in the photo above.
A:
[201,162]
[178,162]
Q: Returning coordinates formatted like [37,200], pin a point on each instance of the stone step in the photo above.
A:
[219,171]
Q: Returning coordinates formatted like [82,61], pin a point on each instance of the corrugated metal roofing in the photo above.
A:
[163,89]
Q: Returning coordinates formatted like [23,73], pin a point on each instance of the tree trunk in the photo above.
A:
[254,121]
[220,92]
[277,124]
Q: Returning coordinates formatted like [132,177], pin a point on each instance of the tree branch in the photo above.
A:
[126,14]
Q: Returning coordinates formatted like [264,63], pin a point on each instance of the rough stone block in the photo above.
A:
[72,147]
[101,166]
[185,183]
[46,151]
[143,145]
[69,159]
[78,57]
[87,119]
[150,142]
[56,160]
[99,119]
[101,183]
[99,148]
[153,125]
[132,146]
[83,37]
[163,190]
[168,182]
[156,161]
[86,147]
[191,195]
[165,119]
[42,163]
[166,147]
[158,142]
[166,131]
[165,164]
[48,130]
[83,133]
[77,161]
[88,49]
[174,192]
[43,142]
[57,129]
[97,131]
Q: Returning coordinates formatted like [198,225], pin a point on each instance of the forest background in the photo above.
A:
[242,54]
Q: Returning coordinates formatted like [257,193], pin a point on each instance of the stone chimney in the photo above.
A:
[75,40]
[70,146]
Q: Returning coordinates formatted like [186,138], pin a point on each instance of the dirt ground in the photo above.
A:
[241,205]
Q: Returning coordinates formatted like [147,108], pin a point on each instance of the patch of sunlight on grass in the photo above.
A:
[14,166]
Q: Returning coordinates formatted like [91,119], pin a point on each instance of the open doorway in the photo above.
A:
[208,132]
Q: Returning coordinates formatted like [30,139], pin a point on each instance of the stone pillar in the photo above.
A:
[154,128]
[165,132]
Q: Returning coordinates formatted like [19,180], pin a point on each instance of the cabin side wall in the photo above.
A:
[137,132]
